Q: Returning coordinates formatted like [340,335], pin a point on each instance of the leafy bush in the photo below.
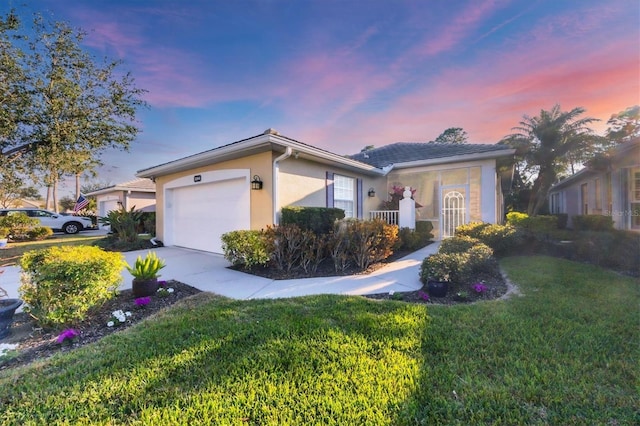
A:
[516,218]
[501,238]
[39,233]
[320,220]
[438,267]
[414,239]
[61,284]
[245,248]
[563,218]
[371,241]
[313,252]
[457,244]
[592,222]
[124,224]
[24,228]
[286,244]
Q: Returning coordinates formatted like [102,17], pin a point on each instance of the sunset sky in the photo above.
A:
[341,75]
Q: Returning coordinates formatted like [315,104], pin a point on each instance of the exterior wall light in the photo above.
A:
[256,183]
[372,192]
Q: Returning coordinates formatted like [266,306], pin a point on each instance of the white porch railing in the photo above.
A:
[389,216]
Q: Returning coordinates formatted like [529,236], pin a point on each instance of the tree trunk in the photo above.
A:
[48,199]
[55,196]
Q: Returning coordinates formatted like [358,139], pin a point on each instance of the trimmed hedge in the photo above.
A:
[61,284]
[21,227]
[592,222]
[320,220]
[501,238]
[246,248]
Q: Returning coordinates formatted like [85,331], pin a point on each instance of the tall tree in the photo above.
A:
[548,145]
[453,135]
[624,125]
[77,107]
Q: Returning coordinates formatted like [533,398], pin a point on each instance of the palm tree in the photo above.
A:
[549,145]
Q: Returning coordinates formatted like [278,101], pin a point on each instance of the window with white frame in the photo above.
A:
[344,194]
[556,206]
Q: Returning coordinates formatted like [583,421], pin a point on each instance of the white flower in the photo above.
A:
[169,290]
[391,292]
[128,313]
[110,324]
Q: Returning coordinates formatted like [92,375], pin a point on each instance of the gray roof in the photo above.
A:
[404,152]
[140,185]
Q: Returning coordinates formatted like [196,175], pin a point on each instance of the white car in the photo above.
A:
[55,221]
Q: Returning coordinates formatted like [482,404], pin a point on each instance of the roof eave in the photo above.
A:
[260,143]
[456,159]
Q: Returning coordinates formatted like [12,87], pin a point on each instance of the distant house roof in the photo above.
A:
[417,152]
[139,185]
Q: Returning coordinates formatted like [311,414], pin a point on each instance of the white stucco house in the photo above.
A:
[139,193]
[244,184]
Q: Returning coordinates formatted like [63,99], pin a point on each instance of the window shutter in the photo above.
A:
[359,198]
[329,185]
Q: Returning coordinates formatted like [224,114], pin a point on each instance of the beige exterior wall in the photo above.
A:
[139,199]
[303,183]
[261,201]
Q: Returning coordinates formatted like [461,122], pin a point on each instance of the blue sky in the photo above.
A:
[341,75]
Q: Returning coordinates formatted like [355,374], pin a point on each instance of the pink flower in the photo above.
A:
[143,301]
[69,334]
[423,295]
[480,288]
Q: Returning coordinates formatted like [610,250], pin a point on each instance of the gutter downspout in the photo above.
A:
[276,172]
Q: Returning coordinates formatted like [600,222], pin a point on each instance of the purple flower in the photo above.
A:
[479,288]
[69,334]
[162,283]
[423,295]
[143,301]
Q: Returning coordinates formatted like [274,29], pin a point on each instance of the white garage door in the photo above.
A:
[107,206]
[198,215]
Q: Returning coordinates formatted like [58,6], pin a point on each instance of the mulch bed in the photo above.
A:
[37,343]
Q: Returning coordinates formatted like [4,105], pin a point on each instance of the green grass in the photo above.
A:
[13,252]
[564,353]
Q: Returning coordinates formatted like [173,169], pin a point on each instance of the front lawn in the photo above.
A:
[563,353]
[14,250]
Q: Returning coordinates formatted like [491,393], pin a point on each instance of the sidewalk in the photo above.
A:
[210,272]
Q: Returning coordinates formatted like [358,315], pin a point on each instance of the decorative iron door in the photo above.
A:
[454,209]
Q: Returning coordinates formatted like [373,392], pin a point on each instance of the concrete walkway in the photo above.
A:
[210,272]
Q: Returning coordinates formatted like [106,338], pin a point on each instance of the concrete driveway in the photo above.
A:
[209,272]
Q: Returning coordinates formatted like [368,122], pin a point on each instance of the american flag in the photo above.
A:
[81,203]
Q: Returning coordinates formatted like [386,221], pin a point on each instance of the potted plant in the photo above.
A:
[435,272]
[145,274]
[8,308]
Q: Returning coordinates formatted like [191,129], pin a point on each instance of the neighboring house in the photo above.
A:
[609,186]
[243,185]
[138,193]
[23,202]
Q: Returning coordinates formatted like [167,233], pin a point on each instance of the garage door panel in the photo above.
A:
[200,214]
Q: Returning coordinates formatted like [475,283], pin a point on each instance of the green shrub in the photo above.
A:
[477,260]
[592,222]
[286,244]
[320,220]
[414,239]
[313,253]
[458,244]
[370,241]
[124,224]
[338,246]
[21,226]
[516,218]
[471,229]
[39,233]
[563,218]
[61,284]
[438,267]
[245,248]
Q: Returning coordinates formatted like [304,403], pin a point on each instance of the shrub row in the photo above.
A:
[61,284]
[501,238]
[289,247]
[319,220]
[592,222]
[21,227]
[460,260]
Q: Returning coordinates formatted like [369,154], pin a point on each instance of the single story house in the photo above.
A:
[243,185]
[139,193]
[608,186]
